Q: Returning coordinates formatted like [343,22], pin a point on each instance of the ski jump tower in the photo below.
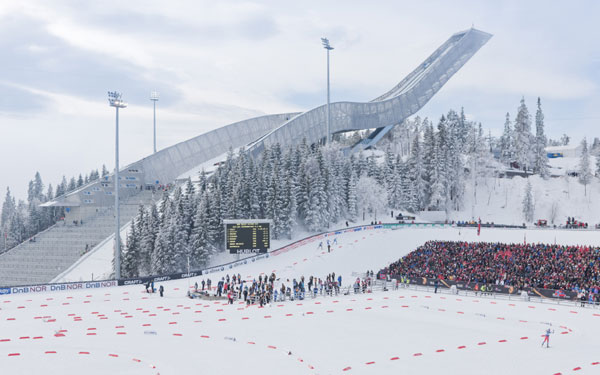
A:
[387,110]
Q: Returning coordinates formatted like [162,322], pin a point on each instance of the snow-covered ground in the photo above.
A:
[500,200]
[124,330]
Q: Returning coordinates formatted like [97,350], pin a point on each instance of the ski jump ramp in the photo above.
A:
[387,110]
[382,114]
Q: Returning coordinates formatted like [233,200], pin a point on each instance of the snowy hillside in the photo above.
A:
[500,200]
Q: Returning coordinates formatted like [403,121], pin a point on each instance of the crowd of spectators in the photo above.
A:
[266,289]
[572,268]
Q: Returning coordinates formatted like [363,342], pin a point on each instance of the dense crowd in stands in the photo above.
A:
[574,268]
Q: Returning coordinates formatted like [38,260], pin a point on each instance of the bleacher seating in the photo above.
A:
[59,247]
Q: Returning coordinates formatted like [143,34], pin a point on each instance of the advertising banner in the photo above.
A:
[491,288]
[58,287]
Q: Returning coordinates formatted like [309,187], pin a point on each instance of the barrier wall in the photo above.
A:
[42,288]
[502,289]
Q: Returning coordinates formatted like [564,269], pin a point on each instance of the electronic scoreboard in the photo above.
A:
[247,236]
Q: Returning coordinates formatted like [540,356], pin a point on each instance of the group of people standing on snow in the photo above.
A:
[329,244]
[266,289]
[363,285]
[150,288]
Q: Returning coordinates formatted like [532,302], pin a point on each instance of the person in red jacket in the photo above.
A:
[230,298]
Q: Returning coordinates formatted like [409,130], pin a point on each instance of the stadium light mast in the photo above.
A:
[154,98]
[115,100]
[328,47]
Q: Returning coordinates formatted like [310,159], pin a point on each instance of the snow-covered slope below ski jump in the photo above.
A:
[124,330]
[500,200]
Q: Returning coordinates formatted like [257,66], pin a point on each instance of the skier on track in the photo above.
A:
[547,338]
[320,245]
[161,289]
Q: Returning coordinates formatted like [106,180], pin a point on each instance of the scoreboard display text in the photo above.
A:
[247,238]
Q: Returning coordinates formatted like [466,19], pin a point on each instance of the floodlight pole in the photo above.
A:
[328,102]
[154,98]
[326,45]
[114,100]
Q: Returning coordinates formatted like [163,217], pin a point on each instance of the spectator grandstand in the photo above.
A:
[572,268]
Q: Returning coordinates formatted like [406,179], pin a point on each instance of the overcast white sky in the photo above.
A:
[216,62]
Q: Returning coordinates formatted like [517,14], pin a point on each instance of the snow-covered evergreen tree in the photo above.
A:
[584,172]
[150,222]
[416,172]
[540,161]
[597,165]
[352,199]
[201,243]
[439,177]
[394,189]
[371,197]
[130,264]
[407,193]
[181,232]
[506,142]
[429,152]
[8,209]
[72,184]
[522,141]
[454,161]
